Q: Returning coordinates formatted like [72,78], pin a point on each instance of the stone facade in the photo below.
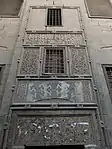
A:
[40,109]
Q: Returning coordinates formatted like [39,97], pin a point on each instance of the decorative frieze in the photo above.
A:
[48,90]
[75,39]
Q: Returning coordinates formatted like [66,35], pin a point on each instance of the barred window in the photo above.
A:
[0,69]
[10,7]
[108,76]
[54,60]
[99,8]
[54,17]
[1,72]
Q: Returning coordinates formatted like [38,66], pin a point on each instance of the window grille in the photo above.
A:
[0,69]
[1,72]
[54,17]
[54,60]
[108,76]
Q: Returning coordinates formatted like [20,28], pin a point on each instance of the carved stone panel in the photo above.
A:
[54,38]
[53,128]
[30,61]
[49,90]
[79,62]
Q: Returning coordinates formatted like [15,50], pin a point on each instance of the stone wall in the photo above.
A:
[88,45]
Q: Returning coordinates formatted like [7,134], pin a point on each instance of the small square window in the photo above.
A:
[54,61]
[54,17]
[10,7]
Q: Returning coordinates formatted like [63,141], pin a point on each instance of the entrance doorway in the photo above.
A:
[57,147]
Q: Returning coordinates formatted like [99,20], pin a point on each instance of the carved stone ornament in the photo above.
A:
[79,61]
[68,91]
[30,61]
[52,129]
[49,39]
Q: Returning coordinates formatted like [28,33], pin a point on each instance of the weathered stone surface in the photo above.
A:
[99,39]
[53,128]
[79,61]
[58,39]
[30,61]
[69,91]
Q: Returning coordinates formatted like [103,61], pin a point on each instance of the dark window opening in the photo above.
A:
[99,8]
[0,69]
[54,17]
[57,147]
[108,76]
[10,7]
[54,60]
[1,72]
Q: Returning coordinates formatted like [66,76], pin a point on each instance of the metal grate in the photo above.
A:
[109,74]
[54,17]
[0,69]
[54,60]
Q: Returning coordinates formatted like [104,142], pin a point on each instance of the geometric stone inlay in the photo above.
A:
[49,90]
[30,61]
[54,38]
[79,61]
